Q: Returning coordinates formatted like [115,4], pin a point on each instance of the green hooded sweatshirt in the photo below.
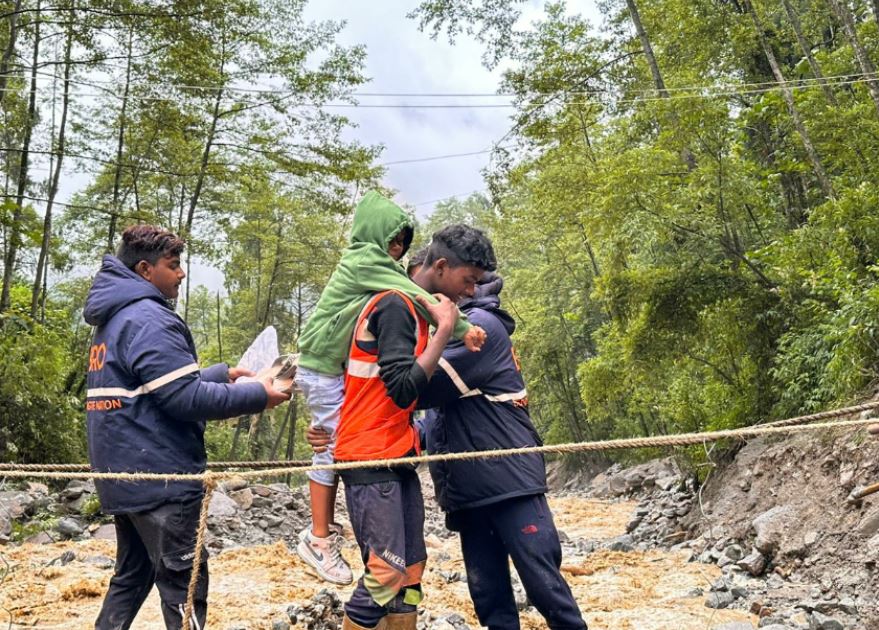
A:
[364,269]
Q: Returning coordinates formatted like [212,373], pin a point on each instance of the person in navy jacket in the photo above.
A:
[498,505]
[147,405]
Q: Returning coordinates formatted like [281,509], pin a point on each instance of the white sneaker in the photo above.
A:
[335,528]
[324,556]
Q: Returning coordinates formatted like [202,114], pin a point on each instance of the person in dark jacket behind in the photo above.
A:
[147,404]
[498,505]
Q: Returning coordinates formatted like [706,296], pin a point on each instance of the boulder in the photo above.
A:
[35,487]
[221,506]
[868,526]
[822,622]
[69,527]
[105,532]
[719,599]
[43,538]
[771,527]
[5,526]
[15,503]
[244,498]
[754,563]
[734,552]
[233,484]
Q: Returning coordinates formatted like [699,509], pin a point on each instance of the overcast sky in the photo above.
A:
[400,58]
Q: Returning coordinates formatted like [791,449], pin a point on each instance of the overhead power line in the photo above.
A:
[721,86]
[146,169]
[680,93]
[426,203]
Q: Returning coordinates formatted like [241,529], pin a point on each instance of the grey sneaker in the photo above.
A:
[324,556]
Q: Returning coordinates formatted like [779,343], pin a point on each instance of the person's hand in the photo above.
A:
[237,372]
[319,439]
[275,397]
[444,313]
[474,338]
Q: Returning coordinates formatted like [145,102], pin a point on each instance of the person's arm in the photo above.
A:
[460,370]
[394,328]
[160,358]
[217,373]
[381,278]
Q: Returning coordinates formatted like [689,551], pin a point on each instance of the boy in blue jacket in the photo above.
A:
[147,404]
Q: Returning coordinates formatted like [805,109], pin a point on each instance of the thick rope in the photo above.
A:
[210,484]
[682,439]
[305,465]
[823,415]
[210,479]
[211,465]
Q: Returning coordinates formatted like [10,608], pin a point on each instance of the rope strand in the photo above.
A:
[682,439]
[210,485]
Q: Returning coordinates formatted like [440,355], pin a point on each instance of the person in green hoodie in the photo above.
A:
[381,234]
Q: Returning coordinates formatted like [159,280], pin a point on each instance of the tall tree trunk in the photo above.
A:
[15,228]
[876,10]
[807,51]
[276,267]
[658,81]
[56,176]
[274,454]
[291,435]
[208,145]
[120,145]
[840,10]
[648,49]
[188,284]
[10,48]
[219,329]
[788,96]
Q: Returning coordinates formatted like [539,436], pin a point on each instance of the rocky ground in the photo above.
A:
[774,517]
[768,541]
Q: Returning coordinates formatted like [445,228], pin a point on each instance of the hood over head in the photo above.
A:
[377,220]
[116,286]
[487,297]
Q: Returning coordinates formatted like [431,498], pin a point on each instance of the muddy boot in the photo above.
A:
[347,624]
[401,621]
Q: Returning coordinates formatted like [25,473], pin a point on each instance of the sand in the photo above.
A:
[250,587]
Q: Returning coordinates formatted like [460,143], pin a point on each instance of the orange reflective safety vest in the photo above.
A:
[372,426]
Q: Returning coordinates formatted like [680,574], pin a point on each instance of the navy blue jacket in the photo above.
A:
[147,400]
[481,405]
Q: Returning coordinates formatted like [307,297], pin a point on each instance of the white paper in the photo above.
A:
[261,353]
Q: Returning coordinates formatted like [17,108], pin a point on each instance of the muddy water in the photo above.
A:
[253,586]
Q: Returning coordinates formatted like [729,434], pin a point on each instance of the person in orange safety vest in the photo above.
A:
[391,361]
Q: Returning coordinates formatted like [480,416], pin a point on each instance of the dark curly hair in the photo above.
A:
[149,243]
[416,260]
[462,245]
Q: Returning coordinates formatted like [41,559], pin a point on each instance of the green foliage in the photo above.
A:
[42,418]
[670,255]
[44,522]
[92,507]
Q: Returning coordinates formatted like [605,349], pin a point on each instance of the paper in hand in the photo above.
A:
[261,353]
